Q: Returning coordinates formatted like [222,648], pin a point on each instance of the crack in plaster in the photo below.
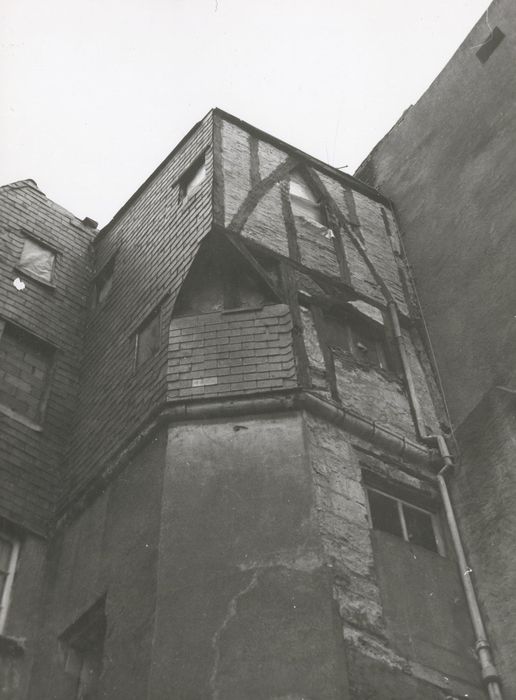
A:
[230,614]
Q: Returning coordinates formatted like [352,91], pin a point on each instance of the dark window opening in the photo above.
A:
[218,280]
[37,261]
[148,339]
[490,45]
[25,365]
[360,339]
[192,179]
[104,283]
[411,523]
[84,650]
[304,202]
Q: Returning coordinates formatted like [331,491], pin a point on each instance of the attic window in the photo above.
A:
[304,202]
[192,179]
[37,261]
[490,44]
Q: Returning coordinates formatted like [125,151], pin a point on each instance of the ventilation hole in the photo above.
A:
[491,43]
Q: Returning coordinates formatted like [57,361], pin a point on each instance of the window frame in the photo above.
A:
[316,204]
[147,321]
[189,175]
[50,284]
[400,502]
[5,597]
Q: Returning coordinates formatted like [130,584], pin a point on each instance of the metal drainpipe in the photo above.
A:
[488,669]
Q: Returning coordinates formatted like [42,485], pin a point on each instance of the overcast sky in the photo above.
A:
[95,93]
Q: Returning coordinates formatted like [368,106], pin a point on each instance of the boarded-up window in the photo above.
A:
[304,202]
[8,555]
[37,261]
[148,339]
[25,364]
[358,338]
[192,179]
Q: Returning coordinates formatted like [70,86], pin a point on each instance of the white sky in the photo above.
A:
[95,93]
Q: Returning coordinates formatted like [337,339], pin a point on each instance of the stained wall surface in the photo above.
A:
[448,165]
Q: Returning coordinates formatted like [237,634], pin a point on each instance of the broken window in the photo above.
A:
[410,522]
[304,202]
[148,338]
[359,338]
[9,548]
[37,261]
[192,179]
[104,282]
[83,644]
[25,364]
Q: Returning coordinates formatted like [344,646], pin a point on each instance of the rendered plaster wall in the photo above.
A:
[448,166]
[111,549]
[244,604]
[484,491]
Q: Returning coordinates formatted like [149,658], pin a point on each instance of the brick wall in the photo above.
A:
[25,366]
[30,462]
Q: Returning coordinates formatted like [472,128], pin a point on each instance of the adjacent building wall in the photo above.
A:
[31,449]
[449,167]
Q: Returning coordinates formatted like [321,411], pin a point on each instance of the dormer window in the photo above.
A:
[192,179]
[304,202]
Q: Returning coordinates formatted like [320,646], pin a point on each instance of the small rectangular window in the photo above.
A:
[104,283]
[411,523]
[303,201]
[148,339]
[37,261]
[9,548]
[192,179]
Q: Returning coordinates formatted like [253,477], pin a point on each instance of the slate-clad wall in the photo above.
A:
[232,352]
[154,240]
[30,461]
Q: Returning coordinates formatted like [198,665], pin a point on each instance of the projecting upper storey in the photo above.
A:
[241,266]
